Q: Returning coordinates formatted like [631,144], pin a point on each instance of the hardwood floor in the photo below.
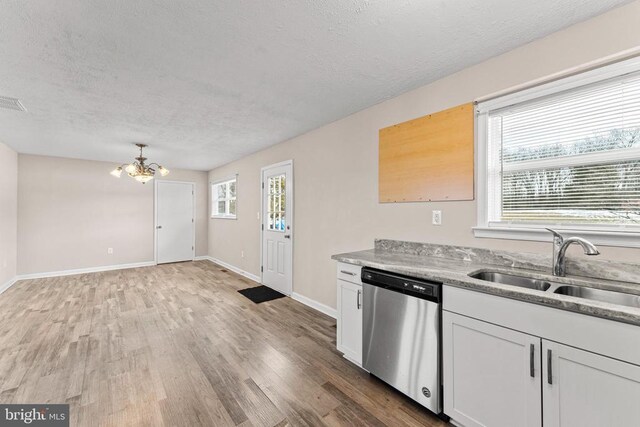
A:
[177,345]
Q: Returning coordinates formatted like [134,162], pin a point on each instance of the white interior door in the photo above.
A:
[175,220]
[277,227]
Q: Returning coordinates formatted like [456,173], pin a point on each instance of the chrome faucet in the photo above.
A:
[560,245]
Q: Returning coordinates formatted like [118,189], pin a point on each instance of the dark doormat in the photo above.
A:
[261,294]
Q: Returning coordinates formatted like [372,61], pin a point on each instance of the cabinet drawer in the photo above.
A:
[350,273]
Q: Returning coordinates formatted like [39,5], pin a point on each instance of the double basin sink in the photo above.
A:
[612,297]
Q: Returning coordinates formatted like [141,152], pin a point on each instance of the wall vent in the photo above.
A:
[11,103]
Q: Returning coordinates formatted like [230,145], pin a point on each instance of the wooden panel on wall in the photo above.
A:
[428,159]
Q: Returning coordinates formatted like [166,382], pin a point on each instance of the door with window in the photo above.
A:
[277,227]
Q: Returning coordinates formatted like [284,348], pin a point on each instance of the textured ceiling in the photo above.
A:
[205,82]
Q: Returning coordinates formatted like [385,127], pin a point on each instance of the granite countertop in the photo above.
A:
[455,272]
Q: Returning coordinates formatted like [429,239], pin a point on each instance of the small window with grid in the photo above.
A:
[276,211]
[224,198]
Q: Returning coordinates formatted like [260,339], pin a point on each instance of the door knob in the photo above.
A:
[287,236]
[159,227]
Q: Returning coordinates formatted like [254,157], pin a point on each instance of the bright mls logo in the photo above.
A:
[34,415]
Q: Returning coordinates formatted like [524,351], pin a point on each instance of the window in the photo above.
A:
[563,155]
[223,198]
[276,208]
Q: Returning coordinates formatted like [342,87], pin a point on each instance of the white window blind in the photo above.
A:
[569,158]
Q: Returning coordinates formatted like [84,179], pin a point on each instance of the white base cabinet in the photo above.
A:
[497,376]
[491,374]
[588,390]
[349,333]
[349,320]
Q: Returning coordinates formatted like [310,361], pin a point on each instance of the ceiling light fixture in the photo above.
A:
[138,170]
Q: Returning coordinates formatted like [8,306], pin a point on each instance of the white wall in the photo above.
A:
[8,213]
[70,211]
[335,166]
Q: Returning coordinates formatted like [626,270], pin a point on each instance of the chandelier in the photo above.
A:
[138,170]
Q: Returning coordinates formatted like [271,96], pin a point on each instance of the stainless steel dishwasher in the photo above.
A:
[401,334]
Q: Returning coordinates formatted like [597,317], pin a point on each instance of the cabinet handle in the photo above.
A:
[347,272]
[549,370]
[358,303]
[532,369]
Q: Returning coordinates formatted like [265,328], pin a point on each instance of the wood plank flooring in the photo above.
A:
[177,345]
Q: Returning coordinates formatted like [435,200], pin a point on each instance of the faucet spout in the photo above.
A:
[560,245]
[588,247]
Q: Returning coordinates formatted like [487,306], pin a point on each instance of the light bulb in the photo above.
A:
[117,172]
[163,171]
[131,168]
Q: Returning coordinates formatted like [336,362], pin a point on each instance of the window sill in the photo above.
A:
[223,217]
[605,238]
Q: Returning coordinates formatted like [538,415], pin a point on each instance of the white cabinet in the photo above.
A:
[512,363]
[349,321]
[349,339]
[491,374]
[588,390]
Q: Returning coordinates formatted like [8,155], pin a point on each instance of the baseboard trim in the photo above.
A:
[325,309]
[8,284]
[201,258]
[359,365]
[315,305]
[84,270]
[235,269]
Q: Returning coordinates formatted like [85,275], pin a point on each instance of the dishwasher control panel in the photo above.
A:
[401,283]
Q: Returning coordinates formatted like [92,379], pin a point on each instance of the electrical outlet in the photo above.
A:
[436,217]
[110,251]
[241,254]
[258,215]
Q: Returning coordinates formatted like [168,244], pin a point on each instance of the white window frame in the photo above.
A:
[214,198]
[625,236]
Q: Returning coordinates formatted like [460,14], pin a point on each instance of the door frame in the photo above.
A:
[155,216]
[290,181]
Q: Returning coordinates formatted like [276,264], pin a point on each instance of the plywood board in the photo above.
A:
[428,159]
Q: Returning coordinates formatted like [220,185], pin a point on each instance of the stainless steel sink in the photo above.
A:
[611,297]
[585,292]
[511,279]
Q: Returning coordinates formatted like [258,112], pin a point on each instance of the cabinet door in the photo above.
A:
[349,339]
[491,374]
[585,389]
